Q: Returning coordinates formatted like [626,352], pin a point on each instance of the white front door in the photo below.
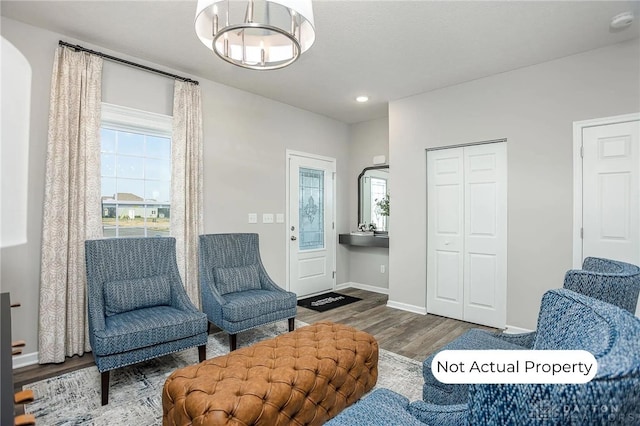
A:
[311,226]
[467,233]
[611,192]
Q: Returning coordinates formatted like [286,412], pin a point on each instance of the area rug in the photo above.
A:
[326,301]
[135,396]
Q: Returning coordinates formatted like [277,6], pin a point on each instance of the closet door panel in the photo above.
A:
[485,225]
[445,230]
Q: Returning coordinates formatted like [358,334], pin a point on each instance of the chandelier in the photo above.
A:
[256,34]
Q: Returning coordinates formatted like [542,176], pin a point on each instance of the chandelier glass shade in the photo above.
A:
[256,34]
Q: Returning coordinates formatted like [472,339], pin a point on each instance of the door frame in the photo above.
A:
[293,153]
[578,128]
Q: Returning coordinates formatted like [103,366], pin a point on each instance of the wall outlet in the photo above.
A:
[267,218]
[253,217]
[383,269]
[279,217]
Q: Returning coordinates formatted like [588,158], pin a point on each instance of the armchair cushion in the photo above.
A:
[382,407]
[441,415]
[238,278]
[249,304]
[129,295]
[437,392]
[146,327]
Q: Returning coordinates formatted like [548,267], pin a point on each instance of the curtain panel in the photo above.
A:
[71,204]
[186,183]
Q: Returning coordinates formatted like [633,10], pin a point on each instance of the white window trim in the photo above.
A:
[122,118]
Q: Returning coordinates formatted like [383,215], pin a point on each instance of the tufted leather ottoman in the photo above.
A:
[304,377]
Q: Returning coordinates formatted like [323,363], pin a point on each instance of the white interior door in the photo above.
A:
[611,192]
[485,245]
[311,226]
[467,233]
[445,232]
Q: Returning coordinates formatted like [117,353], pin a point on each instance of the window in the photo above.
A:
[378,194]
[135,172]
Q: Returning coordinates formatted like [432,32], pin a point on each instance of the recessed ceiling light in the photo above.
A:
[362,99]
[622,20]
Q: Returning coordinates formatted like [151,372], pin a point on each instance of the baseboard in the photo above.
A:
[25,360]
[406,307]
[510,329]
[359,286]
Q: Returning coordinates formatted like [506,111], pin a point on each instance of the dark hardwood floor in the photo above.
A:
[405,333]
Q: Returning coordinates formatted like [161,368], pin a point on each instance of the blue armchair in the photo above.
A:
[138,307]
[613,281]
[237,293]
[608,280]
[567,320]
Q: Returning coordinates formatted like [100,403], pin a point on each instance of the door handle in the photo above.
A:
[293,238]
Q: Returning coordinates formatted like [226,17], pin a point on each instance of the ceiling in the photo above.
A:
[384,49]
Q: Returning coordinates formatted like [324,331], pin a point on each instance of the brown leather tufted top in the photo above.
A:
[304,377]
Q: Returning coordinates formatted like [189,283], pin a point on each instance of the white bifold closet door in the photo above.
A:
[467,233]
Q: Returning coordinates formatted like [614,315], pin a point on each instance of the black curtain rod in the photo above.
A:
[124,61]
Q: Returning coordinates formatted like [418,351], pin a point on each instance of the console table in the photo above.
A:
[364,240]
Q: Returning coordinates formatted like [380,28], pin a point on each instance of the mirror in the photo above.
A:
[373,190]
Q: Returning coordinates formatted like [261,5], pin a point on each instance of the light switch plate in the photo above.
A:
[279,217]
[267,218]
[253,217]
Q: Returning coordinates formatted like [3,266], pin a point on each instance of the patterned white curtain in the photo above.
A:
[71,203]
[186,183]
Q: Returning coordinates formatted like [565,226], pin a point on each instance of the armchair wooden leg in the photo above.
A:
[105,387]
[232,342]
[202,352]
[292,324]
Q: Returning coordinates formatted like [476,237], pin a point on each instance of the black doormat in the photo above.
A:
[326,301]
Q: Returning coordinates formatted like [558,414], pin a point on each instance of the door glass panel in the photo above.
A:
[311,209]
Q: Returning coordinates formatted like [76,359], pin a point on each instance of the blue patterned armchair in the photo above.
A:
[608,280]
[237,293]
[138,307]
[567,320]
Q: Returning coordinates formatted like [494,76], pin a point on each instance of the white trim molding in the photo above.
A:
[406,307]
[124,118]
[25,360]
[512,329]
[578,128]
[359,286]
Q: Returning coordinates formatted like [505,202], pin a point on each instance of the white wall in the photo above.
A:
[245,138]
[366,140]
[14,152]
[534,108]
